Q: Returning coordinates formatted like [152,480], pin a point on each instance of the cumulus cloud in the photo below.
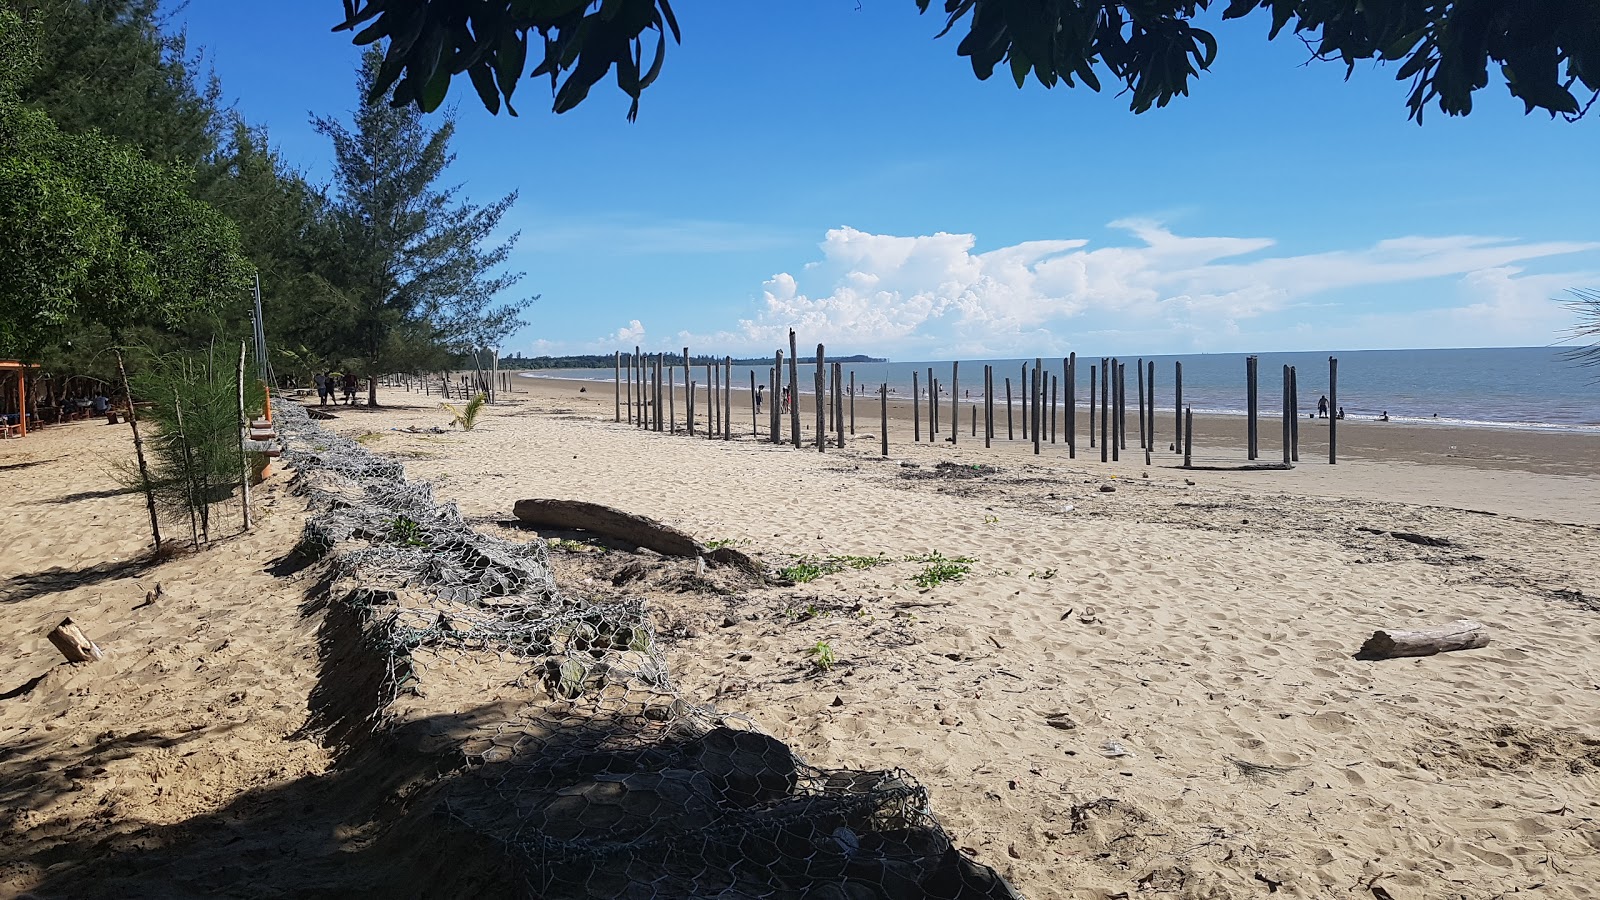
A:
[936,295]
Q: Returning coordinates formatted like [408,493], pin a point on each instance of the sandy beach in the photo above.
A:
[1143,690]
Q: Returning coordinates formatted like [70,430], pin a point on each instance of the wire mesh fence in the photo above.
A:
[598,778]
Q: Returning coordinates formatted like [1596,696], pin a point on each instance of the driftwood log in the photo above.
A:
[1390,643]
[73,643]
[640,531]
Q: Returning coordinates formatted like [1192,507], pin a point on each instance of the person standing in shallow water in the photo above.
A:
[1322,407]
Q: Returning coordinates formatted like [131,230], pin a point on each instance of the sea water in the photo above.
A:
[1507,387]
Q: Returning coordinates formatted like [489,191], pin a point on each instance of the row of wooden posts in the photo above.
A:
[647,395]
[464,387]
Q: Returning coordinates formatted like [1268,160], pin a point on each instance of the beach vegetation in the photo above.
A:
[803,571]
[1586,303]
[822,656]
[466,418]
[406,532]
[1150,51]
[190,401]
[810,568]
[938,569]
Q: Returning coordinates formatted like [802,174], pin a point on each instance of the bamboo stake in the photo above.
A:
[244,457]
[1252,395]
[1288,423]
[838,399]
[1055,389]
[138,452]
[672,399]
[988,407]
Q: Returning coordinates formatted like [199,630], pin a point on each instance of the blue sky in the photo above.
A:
[835,168]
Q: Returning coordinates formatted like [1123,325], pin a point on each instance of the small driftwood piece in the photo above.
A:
[1391,643]
[73,643]
[640,531]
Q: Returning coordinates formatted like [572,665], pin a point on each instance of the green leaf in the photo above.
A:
[483,80]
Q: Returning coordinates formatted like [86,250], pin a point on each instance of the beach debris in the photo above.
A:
[412,429]
[1060,720]
[639,531]
[1114,749]
[1409,537]
[1259,770]
[150,597]
[1391,643]
[631,572]
[1108,489]
[1189,482]
[73,643]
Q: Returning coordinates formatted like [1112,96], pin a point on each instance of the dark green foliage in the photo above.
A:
[430,43]
[1586,303]
[1545,49]
[199,464]
[93,234]
[407,272]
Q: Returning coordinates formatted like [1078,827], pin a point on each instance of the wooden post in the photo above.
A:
[244,458]
[1333,411]
[1011,433]
[1055,388]
[1027,404]
[988,407]
[1150,445]
[1294,414]
[1188,437]
[638,387]
[916,408]
[1105,408]
[1114,408]
[1092,413]
[839,401]
[1122,405]
[1037,409]
[672,395]
[933,408]
[1177,403]
[712,408]
[777,397]
[955,401]
[1143,437]
[617,383]
[630,390]
[883,416]
[853,402]
[1071,375]
[73,643]
[1252,411]
[755,429]
[727,398]
[822,404]
[1288,439]
[794,393]
[688,395]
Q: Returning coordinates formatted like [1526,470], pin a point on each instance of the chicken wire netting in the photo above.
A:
[592,773]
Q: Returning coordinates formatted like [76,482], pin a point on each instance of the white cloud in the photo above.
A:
[935,296]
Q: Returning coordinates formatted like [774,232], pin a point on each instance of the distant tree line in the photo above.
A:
[606,361]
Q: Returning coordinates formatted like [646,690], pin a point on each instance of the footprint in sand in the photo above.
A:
[1332,722]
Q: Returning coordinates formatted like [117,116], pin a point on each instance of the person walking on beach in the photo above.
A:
[1322,407]
[759,389]
[322,388]
[785,407]
[351,383]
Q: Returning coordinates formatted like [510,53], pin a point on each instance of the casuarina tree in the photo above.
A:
[415,268]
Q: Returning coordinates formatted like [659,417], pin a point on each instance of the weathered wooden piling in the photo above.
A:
[1177,404]
[629,392]
[1070,376]
[1011,433]
[727,398]
[1294,414]
[822,403]
[1055,389]
[794,393]
[777,397]
[916,408]
[617,383]
[672,402]
[853,402]
[1188,437]
[1143,438]
[1038,432]
[1027,403]
[1151,445]
[838,399]
[1288,421]
[1252,412]
[883,416]
[955,401]
[1092,370]
[1105,409]
[1333,411]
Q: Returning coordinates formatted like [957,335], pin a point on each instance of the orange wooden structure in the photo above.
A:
[21,368]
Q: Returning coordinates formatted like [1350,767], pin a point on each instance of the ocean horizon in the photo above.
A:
[1537,388]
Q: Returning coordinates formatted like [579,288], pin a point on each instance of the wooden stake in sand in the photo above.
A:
[822,403]
[1105,408]
[1391,643]
[1143,438]
[988,406]
[1011,433]
[672,398]
[777,403]
[1037,442]
[794,393]
[138,454]
[73,643]
[244,458]
[1055,387]
[853,401]
[755,430]
[1188,437]
[1252,397]
[1333,411]
[711,401]
[617,383]
[838,399]
[1177,404]
[933,407]
[916,408]
[1152,388]
[630,390]
[955,401]
[1027,406]
[1114,409]
[1071,378]
[1092,370]
[1288,422]
[883,416]
[688,394]
[727,398]
[1294,414]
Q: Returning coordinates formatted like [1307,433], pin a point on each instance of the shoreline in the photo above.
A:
[1580,428]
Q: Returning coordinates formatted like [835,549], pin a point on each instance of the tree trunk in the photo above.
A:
[73,643]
